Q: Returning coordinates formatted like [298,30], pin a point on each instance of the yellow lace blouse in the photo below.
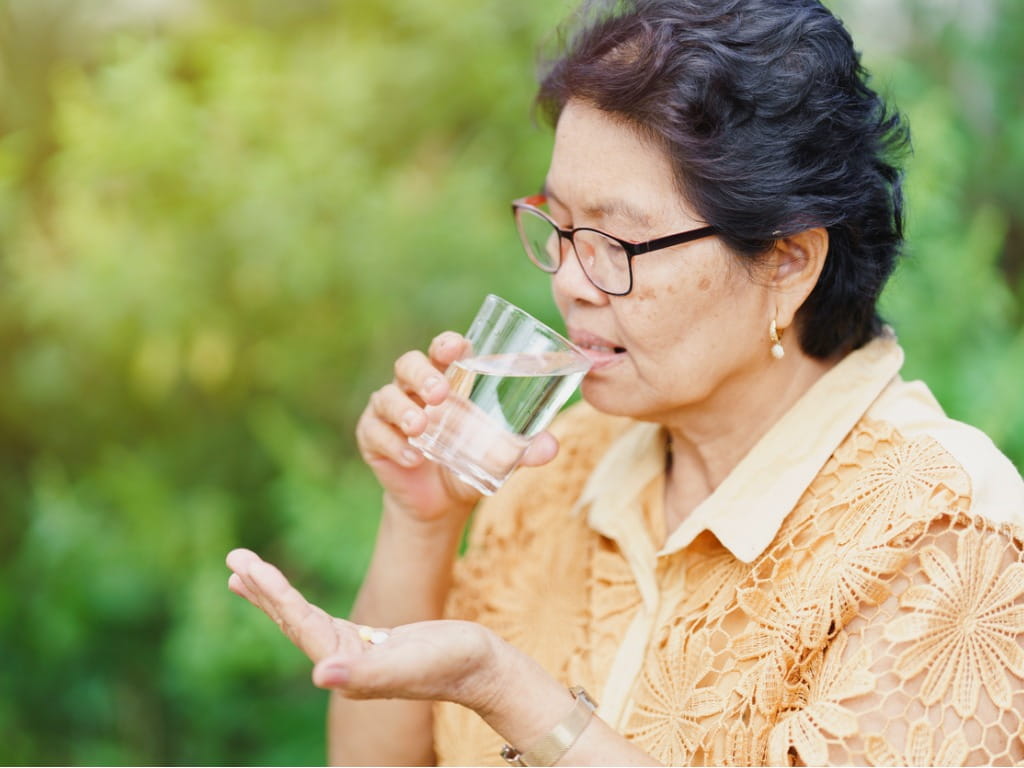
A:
[852,593]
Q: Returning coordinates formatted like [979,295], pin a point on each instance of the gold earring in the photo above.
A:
[778,351]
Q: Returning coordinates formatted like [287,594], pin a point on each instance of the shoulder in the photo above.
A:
[534,496]
[988,478]
[584,435]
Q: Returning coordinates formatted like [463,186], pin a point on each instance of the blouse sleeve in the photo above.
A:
[934,675]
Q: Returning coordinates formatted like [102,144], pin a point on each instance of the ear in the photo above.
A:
[795,264]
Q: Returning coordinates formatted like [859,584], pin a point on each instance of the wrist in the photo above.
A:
[517,697]
[438,526]
[482,688]
[554,745]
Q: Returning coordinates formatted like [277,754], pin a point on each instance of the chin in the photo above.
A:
[630,402]
[602,398]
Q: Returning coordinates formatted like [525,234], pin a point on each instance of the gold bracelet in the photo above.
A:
[551,747]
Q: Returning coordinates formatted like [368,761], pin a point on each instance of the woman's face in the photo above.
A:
[694,330]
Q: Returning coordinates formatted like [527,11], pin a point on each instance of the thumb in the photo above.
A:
[371,674]
[541,450]
[333,672]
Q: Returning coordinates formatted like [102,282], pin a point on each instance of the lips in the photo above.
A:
[602,352]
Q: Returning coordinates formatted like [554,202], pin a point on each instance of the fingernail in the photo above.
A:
[408,419]
[410,457]
[332,673]
[431,384]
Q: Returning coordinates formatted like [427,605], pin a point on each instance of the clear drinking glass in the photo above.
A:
[509,384]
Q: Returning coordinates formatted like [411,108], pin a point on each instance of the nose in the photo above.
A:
[570,282]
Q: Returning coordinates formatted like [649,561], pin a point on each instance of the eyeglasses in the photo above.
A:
[607,261]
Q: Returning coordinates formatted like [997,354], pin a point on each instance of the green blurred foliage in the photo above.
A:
[220,223]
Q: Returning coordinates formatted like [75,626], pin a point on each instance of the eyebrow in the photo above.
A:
[605,208]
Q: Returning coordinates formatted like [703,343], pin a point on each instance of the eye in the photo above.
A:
[599,247]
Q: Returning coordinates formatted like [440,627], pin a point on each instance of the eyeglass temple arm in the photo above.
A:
[636,249]
[534,200]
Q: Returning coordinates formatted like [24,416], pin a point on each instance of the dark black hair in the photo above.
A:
[765,111]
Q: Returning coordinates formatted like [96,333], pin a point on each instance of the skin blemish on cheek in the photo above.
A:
[644,294]
[704,284]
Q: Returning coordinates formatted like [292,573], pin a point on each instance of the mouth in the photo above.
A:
[601,352]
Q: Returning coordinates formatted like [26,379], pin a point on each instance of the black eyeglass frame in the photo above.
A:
[632,249]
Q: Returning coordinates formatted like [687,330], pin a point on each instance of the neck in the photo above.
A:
[708,442]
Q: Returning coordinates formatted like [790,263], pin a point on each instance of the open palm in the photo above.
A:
[425,660]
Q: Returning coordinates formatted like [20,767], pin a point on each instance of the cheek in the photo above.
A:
[655,325]
[672,289]
[687,276]
[561,302]
[668,317]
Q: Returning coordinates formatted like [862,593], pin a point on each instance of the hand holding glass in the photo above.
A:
[505,389]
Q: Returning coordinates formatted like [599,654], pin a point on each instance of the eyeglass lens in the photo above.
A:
[604,261]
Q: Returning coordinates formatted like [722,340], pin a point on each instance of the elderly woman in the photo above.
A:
[757,543]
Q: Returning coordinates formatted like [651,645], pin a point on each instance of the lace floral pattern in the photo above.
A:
[614,599]
[963,624]
[892,484]
[738,743]
[539,620]
[715,578]
[670,708]
[920,748]
[771,641]
[815,705]
[884,625]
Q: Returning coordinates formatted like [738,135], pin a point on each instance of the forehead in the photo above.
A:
[602,163]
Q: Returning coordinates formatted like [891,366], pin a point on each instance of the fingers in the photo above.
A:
[448,347]
[416,376]
[422,376]
[306,625]
[542,449]
[395,411]
[426,660]
[393,406]
[385,426]
[242,582]
[236,585]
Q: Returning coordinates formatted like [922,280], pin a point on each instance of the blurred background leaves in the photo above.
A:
[220,222]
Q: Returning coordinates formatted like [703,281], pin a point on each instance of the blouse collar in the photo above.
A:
[747,510]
